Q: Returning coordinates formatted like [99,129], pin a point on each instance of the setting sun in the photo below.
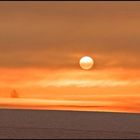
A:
[86,62]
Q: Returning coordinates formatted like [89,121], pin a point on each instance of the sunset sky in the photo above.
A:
[41,44]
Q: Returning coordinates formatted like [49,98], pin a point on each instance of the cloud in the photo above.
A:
[74,83]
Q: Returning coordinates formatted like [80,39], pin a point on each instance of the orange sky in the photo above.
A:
[41,44]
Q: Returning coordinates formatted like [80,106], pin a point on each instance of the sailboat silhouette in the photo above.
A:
[14,94]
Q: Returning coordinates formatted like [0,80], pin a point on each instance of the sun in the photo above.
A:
[86,62]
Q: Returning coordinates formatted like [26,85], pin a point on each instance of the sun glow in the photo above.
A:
[86,62]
